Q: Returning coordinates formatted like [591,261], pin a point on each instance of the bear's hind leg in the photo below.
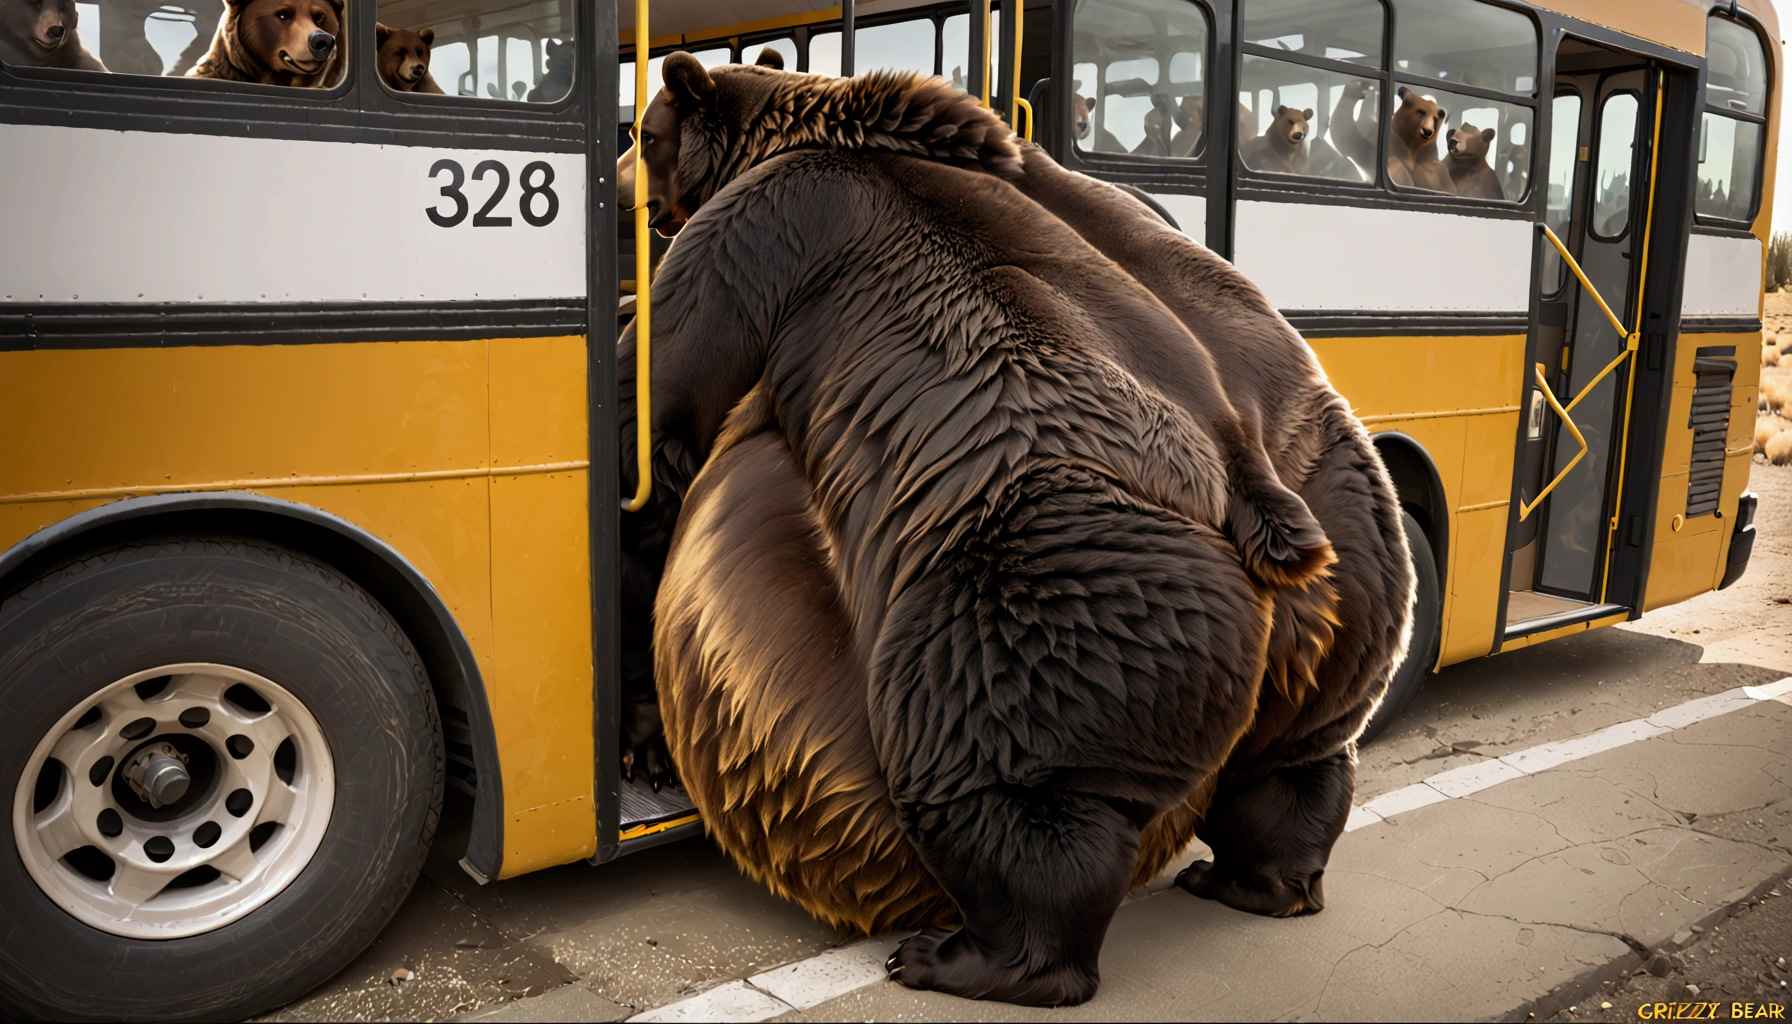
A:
[1271,838]
[1037,874]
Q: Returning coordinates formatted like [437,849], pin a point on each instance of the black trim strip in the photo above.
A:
[1313,323]
[1557,621]
[1271,188]
[385,572]
[1740,324]
[58,325]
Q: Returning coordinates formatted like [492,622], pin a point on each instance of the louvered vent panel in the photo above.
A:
[1710,423]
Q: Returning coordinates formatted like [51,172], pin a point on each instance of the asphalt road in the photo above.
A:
[1521,898]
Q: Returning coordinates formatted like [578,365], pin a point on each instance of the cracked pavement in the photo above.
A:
[1486,906]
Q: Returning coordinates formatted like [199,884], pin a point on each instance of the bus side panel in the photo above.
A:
[1466,425]
[1690,561]
[89,426]
[541,603]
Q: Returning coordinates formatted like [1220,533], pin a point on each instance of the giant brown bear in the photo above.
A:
[977,571]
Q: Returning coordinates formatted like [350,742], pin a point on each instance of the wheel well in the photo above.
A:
[1420,490]
[473,765]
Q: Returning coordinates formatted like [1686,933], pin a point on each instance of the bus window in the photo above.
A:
[1342,30]
[1734,129]
[1564,162]
[492,49]
[955,47]
[1467,44]
[1141,67]
[713,57]
[1486,142]
[1611,178]
[785,48]
[896,46]
[1296,119]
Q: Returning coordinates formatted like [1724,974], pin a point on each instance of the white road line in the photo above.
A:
[835,972]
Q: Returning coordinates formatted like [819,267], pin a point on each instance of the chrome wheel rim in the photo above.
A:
[205,788]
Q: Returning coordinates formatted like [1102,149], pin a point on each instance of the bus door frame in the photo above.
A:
[1631,523]
[599,65]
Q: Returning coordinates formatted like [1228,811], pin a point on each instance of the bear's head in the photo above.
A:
[41,26]
[1290,126]
[1081,108]
[297,36]
[770,58]
[1469,145]
[403,56]
[707,127]
[1418,120]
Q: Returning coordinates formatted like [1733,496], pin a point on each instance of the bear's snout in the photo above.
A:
[1297,136]
[321,43]
[55,31]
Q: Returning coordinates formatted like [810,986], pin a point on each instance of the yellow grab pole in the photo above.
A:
[1525,508]
[1014,100]
[985,76]
[643,286]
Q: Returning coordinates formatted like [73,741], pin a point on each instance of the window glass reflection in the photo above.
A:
[1737,79]
[1564,163]
[955,47]
[1468,44]
[1139,70]
[898,46]
[1611,174]
[1348,30]
[1729,156]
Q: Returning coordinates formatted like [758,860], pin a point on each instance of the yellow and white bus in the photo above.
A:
[306,398]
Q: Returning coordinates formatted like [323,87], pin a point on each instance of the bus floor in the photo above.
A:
[1532,823]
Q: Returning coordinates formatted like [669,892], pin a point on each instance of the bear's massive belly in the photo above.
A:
[763,686]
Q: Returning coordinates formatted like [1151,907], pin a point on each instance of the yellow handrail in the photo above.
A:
[643,283]
[1028,107]
[1526,508]
[984,75]
[1631,337]
[1014,100]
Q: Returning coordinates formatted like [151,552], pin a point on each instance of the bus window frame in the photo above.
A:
[1388,80]
[1745,20]
[1643,111]
[458,103]
[1194,165]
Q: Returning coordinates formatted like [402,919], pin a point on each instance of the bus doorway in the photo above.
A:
[1603,130]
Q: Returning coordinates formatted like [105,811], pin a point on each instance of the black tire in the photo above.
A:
[1427,631]
[84,625]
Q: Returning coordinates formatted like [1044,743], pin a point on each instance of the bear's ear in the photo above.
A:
[381,33]
[689,81]
[428,36]
[1401,92]
[1487,136]
[1307,114]
[770,58]
[1280,110]
[1442,116]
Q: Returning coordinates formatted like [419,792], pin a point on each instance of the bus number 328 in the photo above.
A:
[538,203]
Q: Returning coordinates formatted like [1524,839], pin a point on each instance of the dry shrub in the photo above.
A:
[1770,357]
[1779,448]
[1766,428]
[1774,394]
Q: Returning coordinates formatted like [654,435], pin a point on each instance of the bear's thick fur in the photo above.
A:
[977,571]
[1282,148]
[255,44]
[1470,173]
[43,35]
[404,58]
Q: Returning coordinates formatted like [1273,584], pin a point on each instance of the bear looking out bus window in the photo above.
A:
[502,50]
[43,35]
[1140,72]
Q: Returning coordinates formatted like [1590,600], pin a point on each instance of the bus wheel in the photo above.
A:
[225,769]
[1427,629]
